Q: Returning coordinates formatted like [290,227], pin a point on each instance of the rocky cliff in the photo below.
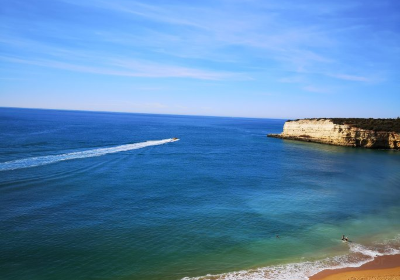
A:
[328,132]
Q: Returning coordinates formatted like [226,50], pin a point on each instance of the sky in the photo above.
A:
[239,58]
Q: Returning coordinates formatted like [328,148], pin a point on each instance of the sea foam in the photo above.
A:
[43,160]
[358,255]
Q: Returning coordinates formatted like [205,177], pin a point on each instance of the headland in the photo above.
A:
[349,132]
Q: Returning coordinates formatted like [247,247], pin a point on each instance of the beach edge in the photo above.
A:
[381,266]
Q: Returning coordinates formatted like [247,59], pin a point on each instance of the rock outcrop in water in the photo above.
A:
[367,133]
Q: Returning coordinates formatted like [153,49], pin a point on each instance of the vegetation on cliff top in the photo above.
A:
[369,124]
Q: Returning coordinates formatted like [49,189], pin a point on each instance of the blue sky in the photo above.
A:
[249,58]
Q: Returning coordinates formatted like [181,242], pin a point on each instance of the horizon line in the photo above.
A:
[187,115]
[124,112]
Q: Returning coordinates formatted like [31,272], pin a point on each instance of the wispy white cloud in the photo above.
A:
[131,69]
[213,29]
[148,88]
[153,105]
[207,108]
[207,33]
[281,46]
[292,79]
[351,77]
[152,12]
[316,89]
[182,107]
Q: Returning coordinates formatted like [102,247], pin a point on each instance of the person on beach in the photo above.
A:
[344,238]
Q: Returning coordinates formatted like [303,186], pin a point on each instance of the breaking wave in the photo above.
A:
[357,256]
[43,160]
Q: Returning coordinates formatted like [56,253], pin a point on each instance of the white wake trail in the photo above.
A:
[37,161]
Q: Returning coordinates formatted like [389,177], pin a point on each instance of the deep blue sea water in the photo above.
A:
[83,195]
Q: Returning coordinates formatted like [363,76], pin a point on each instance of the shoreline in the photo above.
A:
[371,261]
[385,267]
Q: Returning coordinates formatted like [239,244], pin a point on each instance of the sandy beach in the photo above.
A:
[381,268]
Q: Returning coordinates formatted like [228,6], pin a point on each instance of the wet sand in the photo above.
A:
[381,268]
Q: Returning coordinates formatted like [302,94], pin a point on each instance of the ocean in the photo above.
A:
[98,195]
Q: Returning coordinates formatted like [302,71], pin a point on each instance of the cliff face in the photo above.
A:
[325,131]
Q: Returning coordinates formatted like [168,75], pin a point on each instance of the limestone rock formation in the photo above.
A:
[328,132]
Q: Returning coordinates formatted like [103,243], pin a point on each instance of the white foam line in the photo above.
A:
[37,161]
[357,256]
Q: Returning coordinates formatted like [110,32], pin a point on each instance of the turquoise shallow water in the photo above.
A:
[83,195]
